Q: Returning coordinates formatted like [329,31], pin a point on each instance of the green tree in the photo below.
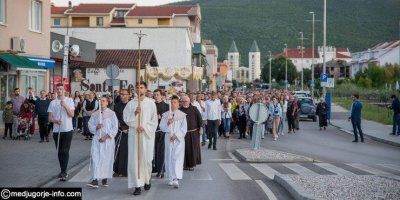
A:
[376,74]
[278,71]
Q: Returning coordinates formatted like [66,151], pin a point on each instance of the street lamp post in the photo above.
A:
[286,80]
[312,61]
[270,60]
[302,56]
[324,49]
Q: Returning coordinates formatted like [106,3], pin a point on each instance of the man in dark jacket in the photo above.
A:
[355,118]
[41,106]
[396,115]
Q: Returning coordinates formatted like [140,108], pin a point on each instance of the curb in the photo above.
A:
[244,159]
[295,190]
[396,144]
[73,171]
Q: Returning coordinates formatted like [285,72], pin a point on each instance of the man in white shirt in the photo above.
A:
[213,110]
[201,106]
[61,111]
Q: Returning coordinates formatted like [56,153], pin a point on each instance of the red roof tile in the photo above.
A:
[160,11]
[58,10]
[296,53]
[96,8]
[123,58]
[339,55]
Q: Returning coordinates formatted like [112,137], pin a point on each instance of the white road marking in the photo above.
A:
[334,169]
[233,171]
[300,169]
[372,170]
[266,190]
[266,170]
[82,176]
[233,157]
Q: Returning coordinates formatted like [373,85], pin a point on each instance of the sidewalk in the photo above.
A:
[373,130]
[31,164]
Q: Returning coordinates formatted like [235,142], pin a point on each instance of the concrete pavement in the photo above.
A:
[371,129]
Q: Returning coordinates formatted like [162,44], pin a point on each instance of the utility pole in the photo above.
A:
[313,54]
[324,49]
[286,80]
[270,60]
[302,60]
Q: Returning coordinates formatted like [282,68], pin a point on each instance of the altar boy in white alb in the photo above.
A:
[174,124]
[104,125]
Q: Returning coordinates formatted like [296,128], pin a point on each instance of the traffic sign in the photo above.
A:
[324,77]
[112,71]
[330,83]
[312,84]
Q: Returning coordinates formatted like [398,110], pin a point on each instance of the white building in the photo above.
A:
[233,61]
[332,53]
[242,74]
[380,54]
[254,62]
[212,62]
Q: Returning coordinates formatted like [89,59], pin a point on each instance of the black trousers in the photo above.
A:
[291,120]
[63,150]
[86,131]
[212,128]
[8,128]
[159,147]
[357,128]
[49,128]
[241,123]
[42,121]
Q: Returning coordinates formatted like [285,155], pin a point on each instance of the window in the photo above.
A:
[99,21]
[140,21]
[56,22]
[218,69]
[2,11]
[120,14]
[35,19]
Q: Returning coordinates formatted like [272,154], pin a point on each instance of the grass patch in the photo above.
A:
[369,111]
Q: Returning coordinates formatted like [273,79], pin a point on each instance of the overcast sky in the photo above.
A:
[139,2]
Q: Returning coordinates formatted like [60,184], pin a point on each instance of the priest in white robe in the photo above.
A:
[139,171]
[104,125]
[174,124]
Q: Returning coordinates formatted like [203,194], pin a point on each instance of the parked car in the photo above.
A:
[307,108]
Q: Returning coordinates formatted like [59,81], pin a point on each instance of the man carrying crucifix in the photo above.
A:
[142,121]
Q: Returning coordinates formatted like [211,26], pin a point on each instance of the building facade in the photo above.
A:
[380,54]
[171,31]
[305,62]
[242,74]
[254,62]
[233,61]
[24,46]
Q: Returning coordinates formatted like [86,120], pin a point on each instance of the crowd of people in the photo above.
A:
[160,133]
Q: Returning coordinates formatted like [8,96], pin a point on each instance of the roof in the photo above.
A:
[233,48]
[339,55]
[342,50]
[254,47]
[96,8]
[386,45]
[159,11]
[58,10]
[123,58]
[296,53]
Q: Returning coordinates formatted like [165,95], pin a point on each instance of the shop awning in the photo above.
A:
[43,62]
[18,61]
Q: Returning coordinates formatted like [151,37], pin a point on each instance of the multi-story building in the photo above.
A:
[171,31]
[242,74]
[212,62]
[380,54]
[233,61]
[305,62]
[24,46]
[254,62]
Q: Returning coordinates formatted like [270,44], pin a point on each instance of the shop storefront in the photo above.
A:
[22,72]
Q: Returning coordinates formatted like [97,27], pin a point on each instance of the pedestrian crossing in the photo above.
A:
[238,171]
